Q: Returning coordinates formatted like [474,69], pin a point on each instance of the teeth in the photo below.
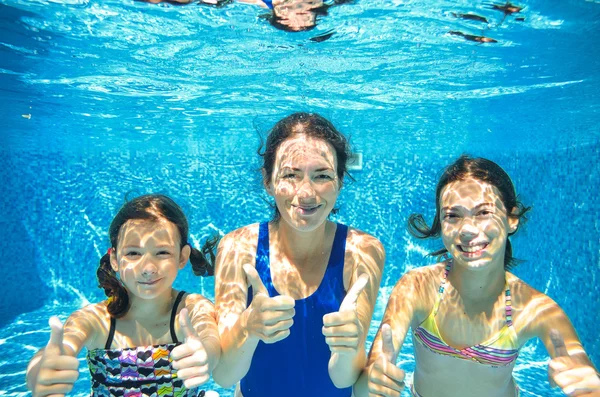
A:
[472,248]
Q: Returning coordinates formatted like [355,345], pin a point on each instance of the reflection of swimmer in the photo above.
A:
[470,17]
[470,37]
[295,295]
[507,8]
[216,3]
[296,15]
[175,332]
[469,314]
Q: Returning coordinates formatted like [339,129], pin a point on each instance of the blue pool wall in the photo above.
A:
[57,208]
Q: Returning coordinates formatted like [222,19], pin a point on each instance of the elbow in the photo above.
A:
[220,377]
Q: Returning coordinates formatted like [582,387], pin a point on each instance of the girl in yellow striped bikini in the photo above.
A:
[468,314]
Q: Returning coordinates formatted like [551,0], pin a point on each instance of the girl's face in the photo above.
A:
[304,182]
[475,223]
[148,257]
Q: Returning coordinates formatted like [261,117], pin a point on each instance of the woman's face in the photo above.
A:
[475,223]
[304,181]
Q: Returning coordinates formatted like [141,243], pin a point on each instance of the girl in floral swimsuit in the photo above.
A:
[146,339]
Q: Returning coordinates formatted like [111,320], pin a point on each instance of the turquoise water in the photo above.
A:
[99,98]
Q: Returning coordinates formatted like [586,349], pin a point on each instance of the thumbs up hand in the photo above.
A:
[190,358]
[385,379]
[58,372]
[574,378]
[268,319]
[342,329]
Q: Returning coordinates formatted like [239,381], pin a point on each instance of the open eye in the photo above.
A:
[324,177]
[163,253]
[450,216]
[132,254]
[486,213]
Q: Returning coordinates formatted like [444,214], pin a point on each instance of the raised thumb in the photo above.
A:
[349,302]
[186,325]
[254,279]
[55,344]
[387,343]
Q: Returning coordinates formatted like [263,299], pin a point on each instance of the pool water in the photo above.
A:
[102,98]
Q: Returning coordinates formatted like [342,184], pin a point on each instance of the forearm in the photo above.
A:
[344,370]
[361,387]
[237,349]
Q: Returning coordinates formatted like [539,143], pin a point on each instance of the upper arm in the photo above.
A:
[83,327]
[231,288]
[543,315]
[364,255]
[406,300]
[540,315]
[202,315]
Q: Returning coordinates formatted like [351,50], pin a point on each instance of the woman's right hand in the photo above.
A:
[57,372]
[385,379]
[268,319]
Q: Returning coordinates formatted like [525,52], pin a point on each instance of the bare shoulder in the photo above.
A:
[196,303]
[87,327]
[248,232]
[364,241]
[238,245]
[422,278]
[532,309]
[419,285]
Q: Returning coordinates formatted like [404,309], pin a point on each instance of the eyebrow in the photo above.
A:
[476,207]
[299,170]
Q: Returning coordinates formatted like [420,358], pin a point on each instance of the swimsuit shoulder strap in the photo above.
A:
[173,314]
[442,287]
[508,301]
[338,249]
[111,332]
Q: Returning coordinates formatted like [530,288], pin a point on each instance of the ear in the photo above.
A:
[113,260]
[185,256]
[268,185]
[513,220]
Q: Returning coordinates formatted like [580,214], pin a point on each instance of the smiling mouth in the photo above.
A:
[150,282]
[472,249]
[306,210]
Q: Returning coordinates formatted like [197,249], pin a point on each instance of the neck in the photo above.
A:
[150,308]
[478,285]
[298,245]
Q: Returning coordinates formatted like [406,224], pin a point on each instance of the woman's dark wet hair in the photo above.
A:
[152,207]
[466,167]
[312,125]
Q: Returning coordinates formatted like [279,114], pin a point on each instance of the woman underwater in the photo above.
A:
[295,295]
[468,314]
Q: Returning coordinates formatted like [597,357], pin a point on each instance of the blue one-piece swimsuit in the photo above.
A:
[297,365]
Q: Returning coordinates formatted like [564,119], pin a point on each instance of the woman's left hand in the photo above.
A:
[190,358]
[572,377]
[342,329]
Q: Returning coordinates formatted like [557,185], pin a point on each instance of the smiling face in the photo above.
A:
[475,223]
[148,257]
[304,182]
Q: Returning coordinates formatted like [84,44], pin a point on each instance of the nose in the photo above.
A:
[305,190]
[148,267]
[468,229]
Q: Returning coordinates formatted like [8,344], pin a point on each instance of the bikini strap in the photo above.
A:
[173,314]
[111,332]
[442,287]
[508,301]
